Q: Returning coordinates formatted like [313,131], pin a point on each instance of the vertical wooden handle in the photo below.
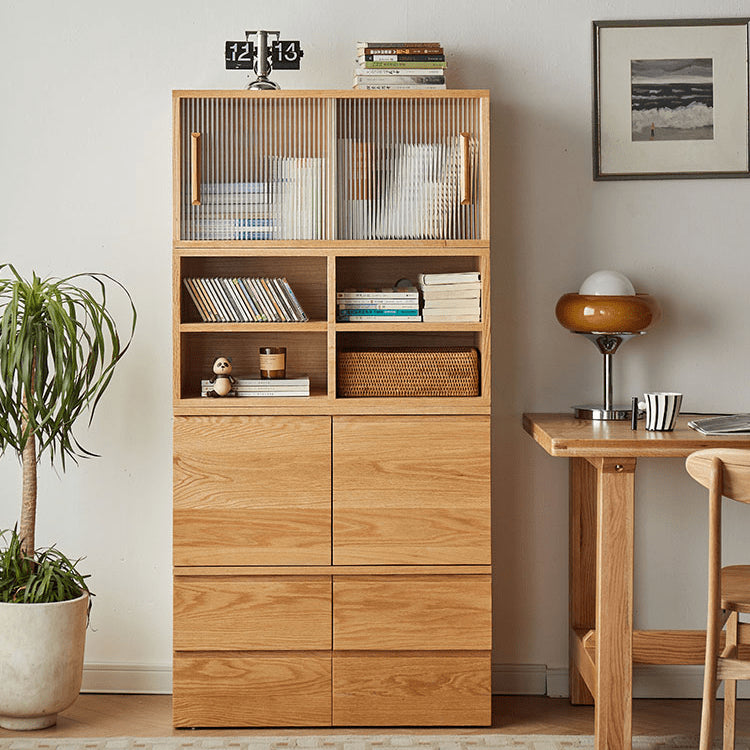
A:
[465,169]
[195,169]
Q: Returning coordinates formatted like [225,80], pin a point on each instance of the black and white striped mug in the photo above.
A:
[662,410]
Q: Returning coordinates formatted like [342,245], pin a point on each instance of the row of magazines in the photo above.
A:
[244,300]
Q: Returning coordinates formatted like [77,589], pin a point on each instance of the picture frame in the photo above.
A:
[671,99]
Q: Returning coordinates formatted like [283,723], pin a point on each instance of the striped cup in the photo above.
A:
[662,410]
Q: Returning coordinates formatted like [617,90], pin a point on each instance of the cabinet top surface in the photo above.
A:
[564,435]
[334,94]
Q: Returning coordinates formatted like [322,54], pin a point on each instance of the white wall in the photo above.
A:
[85,184]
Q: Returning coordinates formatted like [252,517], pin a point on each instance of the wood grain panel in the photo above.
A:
[252,490]
[252,690]
[412,690]
[411,490]
[412,612]
[243,612]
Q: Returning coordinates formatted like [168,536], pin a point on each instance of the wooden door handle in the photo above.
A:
[465,169]
[195,169]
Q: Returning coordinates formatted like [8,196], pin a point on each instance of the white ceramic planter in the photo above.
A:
[41,661]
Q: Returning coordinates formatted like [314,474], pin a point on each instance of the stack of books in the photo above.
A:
[244,300]
[451,297]
[400,65]
[392,304]
[262,387]
[236,211]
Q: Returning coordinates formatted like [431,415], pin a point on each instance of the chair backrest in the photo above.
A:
[735,465]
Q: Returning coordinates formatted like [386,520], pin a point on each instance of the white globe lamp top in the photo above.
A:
[611,283]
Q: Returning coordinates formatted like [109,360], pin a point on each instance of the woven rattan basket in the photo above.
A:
[408,372]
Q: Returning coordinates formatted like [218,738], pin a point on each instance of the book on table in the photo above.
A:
[728,424]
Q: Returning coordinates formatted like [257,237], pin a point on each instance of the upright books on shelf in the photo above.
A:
[244,300]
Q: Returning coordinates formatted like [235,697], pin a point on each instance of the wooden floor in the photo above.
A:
[150,716]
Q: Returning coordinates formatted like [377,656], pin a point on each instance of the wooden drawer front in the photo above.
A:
[412,612]
[252,490]
[252,612]
[252,690]
[414,689]
[411,490]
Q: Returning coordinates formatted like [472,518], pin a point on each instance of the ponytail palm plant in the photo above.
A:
[59,344]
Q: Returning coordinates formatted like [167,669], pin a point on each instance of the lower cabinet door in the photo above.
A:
[413,689]
[411,490]
[252,690]
[252,490]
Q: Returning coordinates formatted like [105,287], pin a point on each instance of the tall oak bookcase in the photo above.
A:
[331,555]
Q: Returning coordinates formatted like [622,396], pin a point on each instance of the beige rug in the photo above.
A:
[350,742]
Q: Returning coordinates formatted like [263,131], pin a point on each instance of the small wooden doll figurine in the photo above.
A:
[222,380]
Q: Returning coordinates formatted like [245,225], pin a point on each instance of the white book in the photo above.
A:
[401,79]
[448,278]
[399,72]
[469,288]
[468,305]
[383,319]
[389,293]
[379,305]
[446,316]
[398,87]
[266,383]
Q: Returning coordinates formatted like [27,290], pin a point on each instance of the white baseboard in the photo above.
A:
[507,679]
[519,679]
[126,678]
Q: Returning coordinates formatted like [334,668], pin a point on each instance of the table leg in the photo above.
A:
[581,566]
[614,603]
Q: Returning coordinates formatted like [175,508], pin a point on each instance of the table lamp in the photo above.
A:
[607,311]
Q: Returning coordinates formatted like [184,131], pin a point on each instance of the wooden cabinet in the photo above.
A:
[332,557]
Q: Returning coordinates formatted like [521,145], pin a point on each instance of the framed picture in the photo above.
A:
[671,99]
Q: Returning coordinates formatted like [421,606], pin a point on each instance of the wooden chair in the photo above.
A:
[725,472]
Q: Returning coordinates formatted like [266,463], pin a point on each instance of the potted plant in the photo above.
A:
[59,344]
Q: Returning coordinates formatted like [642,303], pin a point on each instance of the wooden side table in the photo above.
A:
[603,644]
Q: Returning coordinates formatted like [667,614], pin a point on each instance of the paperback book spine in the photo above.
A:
[405,71]
[401,58]
[376,64]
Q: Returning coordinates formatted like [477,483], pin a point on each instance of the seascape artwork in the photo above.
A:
[672,100]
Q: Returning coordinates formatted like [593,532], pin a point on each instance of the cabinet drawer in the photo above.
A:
[252,490]
[414,689]
[412,612]
[252,690]
[411,490]
[252,612]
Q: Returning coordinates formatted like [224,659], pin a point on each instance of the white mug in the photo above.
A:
[662,410]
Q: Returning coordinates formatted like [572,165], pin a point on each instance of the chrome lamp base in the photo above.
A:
[598,413]
[607,344]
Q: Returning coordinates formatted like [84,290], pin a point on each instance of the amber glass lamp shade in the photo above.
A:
[600,313]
